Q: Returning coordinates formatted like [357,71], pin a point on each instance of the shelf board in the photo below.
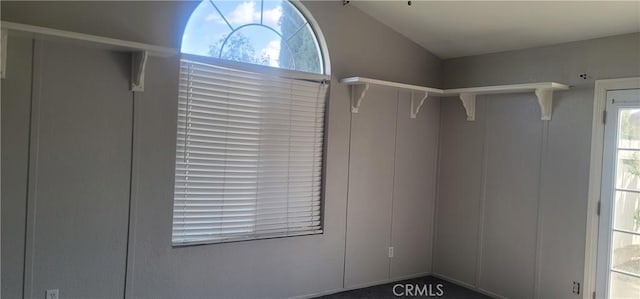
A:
[543,91]
[91,40]
[512,88]
[139,51]
[363,80]
[360,85]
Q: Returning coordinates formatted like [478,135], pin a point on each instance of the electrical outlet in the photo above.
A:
[391,251]
[576,288]
[52,294]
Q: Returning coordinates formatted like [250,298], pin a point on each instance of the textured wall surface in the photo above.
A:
[79,172]
[273,268]
[518,226]
[16,108]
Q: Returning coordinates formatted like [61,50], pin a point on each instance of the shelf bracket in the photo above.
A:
[138,67]
[360,89]
[414,109]
[545,100]
[469,104]
[3,53]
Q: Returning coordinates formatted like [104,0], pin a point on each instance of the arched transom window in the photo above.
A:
[264,32]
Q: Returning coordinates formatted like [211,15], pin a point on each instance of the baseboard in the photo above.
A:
[360,286]
[468,286]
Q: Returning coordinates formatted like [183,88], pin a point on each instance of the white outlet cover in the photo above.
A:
[52,294]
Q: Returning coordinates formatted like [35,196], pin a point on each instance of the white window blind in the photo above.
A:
[249,155]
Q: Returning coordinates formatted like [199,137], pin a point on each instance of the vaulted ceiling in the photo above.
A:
[454,28]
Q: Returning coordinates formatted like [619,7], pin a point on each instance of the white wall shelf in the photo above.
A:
[360,85]
[139,51]
[543,91]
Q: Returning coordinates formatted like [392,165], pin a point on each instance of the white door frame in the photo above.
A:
[595,175]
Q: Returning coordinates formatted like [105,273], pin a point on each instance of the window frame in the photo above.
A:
[324,78]
[282,73]
[315,27]
[256,68]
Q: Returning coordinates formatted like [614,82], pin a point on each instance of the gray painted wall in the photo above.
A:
[16,108]
[274,268]
[510,215]
[79,167]
[265,268]
[414,187]
[153,22]
[512,203]
[369,208]
[399,154]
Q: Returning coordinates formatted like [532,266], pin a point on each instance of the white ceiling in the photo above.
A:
[451,29]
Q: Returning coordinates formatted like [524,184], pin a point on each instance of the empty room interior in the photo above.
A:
[320,149]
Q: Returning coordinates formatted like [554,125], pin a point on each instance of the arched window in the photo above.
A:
[272,33]
[250,139]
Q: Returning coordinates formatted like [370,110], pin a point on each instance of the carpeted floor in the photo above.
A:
[423,287]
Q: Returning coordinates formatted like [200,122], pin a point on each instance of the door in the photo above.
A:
[618,268]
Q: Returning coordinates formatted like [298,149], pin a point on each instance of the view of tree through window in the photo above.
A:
[266,32]
[626,209]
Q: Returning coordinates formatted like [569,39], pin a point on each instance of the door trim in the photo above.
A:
[595,175]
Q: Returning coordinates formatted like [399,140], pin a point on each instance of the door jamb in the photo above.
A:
[595,175]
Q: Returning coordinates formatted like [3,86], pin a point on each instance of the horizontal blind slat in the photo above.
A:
[249,151]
